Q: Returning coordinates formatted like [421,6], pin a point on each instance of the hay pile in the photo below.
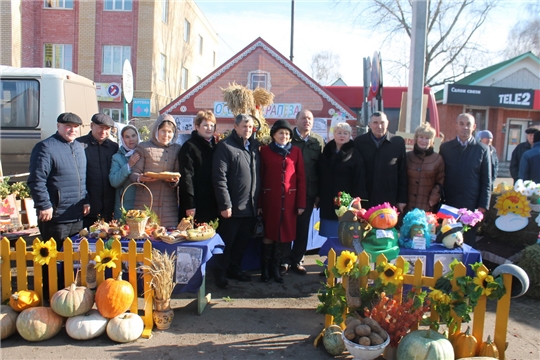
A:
[530,262]
[242,100]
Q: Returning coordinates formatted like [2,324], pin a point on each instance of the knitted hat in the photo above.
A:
[280,124]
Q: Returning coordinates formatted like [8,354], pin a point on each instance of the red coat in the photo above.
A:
[283,192]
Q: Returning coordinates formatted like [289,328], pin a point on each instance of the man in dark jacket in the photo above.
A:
[519,151]
[529,167]
[311,145]
[486,138]
[235,175]
[57,183]
[384,159]
[467,182]
[99,150]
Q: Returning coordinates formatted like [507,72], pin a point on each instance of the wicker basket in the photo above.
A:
[137,225]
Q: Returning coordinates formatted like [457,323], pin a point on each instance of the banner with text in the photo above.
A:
[274,111]
[488,96]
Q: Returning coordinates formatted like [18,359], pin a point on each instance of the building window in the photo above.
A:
[113,59]
[61,4]
[214,59]
[187,31]
[120,5]
[200,45]
[185,75]
[115,114]
[260,79]
[19,103]
[58,56]
[163,68]
[165,10]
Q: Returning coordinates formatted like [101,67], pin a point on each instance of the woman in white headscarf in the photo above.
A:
[122,162]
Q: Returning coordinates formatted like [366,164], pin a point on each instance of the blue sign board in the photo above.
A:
[141,107]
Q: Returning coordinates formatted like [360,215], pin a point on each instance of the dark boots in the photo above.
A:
[275,262]
[266,257]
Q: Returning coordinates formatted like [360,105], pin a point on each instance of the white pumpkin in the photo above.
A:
[72,301]
[86,326]
[125,327]
[8,319]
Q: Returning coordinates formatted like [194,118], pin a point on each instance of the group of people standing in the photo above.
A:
[74,180]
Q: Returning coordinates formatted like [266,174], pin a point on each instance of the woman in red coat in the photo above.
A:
[283,197]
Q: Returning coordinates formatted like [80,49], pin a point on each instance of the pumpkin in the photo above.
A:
[384,217]
[24,299]
[73,300]
[454,336]
[8,317]
[332,341]
[114,297]
[424,345]
[465,345]
[125,327]
[488,348]
[86,326]
[39,323]
[349,229]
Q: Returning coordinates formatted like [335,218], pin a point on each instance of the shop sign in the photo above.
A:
[488,96]
[274,111]
[109,92]
[141,107]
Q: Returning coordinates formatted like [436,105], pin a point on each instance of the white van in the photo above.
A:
[30,101]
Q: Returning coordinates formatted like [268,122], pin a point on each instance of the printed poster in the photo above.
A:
[446,259]
[188,260]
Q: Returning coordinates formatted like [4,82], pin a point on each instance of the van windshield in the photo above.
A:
[19,103]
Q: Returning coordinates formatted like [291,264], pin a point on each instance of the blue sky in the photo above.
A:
[318,26]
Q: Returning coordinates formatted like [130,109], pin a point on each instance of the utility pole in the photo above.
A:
[415,92]
[292,29]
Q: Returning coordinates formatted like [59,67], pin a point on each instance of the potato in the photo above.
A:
[362,330]
[383,334]
[354,323]
[373,324]
[350,319]
[365,341]
[349,334]
[375,339]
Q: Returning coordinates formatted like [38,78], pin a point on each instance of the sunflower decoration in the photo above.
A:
[346,262]
[44,251]
[440,296]
[391,274]
[484,282]
[106,259]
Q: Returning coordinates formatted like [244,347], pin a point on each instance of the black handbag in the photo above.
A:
[258,229]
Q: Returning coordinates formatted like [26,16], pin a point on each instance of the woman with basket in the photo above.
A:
[158,155]
[122,164]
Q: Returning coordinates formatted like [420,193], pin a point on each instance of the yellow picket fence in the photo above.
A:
[81,256]
[416,279]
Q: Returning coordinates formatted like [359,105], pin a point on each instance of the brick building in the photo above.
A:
[260,65]
[169,44]
[504,98]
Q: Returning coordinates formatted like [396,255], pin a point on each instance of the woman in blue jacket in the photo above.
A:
[121,165]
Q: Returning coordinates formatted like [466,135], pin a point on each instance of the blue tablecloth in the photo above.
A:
[466,254]
[209,248]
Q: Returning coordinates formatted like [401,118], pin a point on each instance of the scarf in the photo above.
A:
[129,151]
[422,152]
[283,151]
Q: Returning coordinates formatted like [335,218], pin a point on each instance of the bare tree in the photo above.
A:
[325,67]
[451,32]
[525,34]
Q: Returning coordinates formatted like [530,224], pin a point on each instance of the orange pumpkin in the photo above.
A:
[383,218]
[488,348]
[114,297]
[24,299]
[454,336]
[465,345]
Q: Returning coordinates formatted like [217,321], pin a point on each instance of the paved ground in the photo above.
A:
[251,321]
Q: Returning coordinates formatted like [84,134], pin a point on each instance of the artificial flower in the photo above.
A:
[44,251]
[106,258]
[439,295]
[470,218]
[346,261]
[391,274]
[482,280]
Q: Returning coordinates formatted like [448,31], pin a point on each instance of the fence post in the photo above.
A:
[459,271]
[437,273]
[501,317]
[148,294]
[480,314]
[5,256]
[20,258]
[132,273]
